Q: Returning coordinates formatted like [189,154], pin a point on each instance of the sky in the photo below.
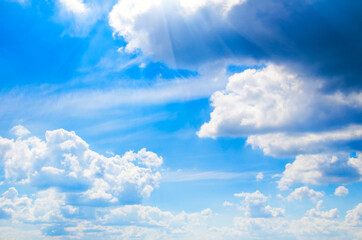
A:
[180,119]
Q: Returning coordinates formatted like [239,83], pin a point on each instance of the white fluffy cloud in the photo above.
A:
[286,115]
[318,213]
[20,131]
[65,161]
[356,162]
[153,217]
[272,99]
[259,176]
[47,206]
[74,6]
[320,169]
[254,205]
[341,191]
[304,192]
[308,227]
[50,209]
[148,25]
[354,216]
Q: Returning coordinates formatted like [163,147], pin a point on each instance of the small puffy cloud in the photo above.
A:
[65,161]
[74,6]
[341,191]
[259,176]
[227,204]
[319,169]
[304,192]
[20,131]
[354,216]
[318,213]
[254,205]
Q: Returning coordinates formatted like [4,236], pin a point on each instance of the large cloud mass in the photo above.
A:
[318,37]
[285,115]
[275,99]
[65,161]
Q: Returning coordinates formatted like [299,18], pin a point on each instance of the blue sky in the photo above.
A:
[210,119]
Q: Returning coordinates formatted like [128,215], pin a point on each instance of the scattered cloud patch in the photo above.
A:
[341,191]
[227,204]
[354,216]
[259,176]
[304,192]
[20,131]
[74,6]
[287,114]
[318,213]
[319,169]
[254,205]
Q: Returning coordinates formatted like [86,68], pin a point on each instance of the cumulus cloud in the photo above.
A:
[153,217]
[319,169]
[316,224]
[141,25]
[48,206]
[50,209]
[68,183]
[254,205]
[274,99]
[57,216]
[341,191]
[304,192]
[259,176]
[194,32]
[318,213]
[286,115]
[74,6]
[354,216]
[65,161]
[280,228]
[356,162]
[20,131]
